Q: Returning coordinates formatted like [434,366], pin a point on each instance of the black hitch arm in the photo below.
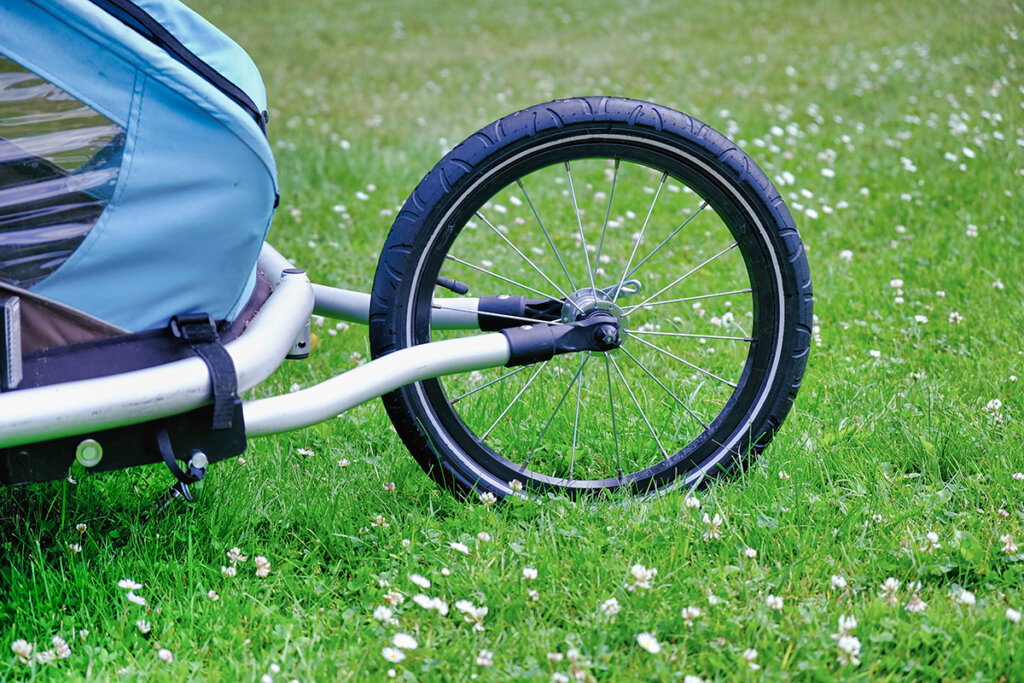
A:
[530,344]
[498,312]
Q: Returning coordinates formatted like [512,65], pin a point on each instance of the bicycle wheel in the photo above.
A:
[598,203]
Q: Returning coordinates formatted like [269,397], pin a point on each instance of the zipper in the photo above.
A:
[137,19]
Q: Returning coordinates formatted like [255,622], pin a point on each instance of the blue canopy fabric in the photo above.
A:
[197,185]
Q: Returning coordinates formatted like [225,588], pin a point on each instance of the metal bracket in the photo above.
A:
[598,331]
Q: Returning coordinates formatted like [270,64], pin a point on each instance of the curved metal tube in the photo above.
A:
[347,390]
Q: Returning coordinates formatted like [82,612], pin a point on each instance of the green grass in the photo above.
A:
[904,437]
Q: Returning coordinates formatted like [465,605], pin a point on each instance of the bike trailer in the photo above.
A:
[136,185]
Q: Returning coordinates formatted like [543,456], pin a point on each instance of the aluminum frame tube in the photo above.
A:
[353,387]
[71,408]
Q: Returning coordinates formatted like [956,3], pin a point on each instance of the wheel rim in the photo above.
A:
[701,318]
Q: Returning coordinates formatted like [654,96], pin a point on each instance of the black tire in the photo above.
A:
[549,177]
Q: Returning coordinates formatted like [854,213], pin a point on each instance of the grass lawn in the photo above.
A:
[893,493]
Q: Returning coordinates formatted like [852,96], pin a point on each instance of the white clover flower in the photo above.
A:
[774,602]
[689,614]
[750,654]
[712,598]
[846,625]
[1018,476]
[262,566]
[837,582]
[1009,547]
[516,486]
[955,318]
[533,594]
[888,591]
[235,556]
[213,595]
[229,572]
[137,599]
[61,647]
[692,502]
[641,576]
[529,573]
[750,553]
[783,475]
[648,642]
[143,626]
[874,353]
[128,584]
[483,537]
[1013,615]
[461,547]
[394,598]
[610,607]
[419,580]
[846,255]
[555,657]
[380,520]
[966,598]
[392,654]
[896,283]
[23,649]
[693,679]
[931,542]
[488,498]
[993,406]
[714,531]
[406,543]
[385,615]
[849,650]
[876,518]
[45,657]
[485,658]
[403,641]
[559,677]
[916,604]
[81,527]
[165,655]
[75,548]
[389,486]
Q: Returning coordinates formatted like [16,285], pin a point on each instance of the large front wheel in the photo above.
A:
[612,204]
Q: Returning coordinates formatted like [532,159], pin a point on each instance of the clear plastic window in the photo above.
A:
[59,161]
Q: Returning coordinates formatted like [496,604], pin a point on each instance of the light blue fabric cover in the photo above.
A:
[196,190]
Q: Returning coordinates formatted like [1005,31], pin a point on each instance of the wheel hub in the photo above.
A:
[583,302]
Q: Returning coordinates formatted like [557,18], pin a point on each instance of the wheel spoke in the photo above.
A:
[554,249]
[554,413]
[576,419]
[639,237]
[500,277]
[667,390]
[693,336]
[607,216]
[611,406]
[511,403]
[695,298]
[637,404]
[484,386]
[686,362]
[666,240]
[680,279]
[579,222]
[524,256]
[506,316]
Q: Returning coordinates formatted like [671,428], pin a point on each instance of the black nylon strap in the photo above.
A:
[200,332]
